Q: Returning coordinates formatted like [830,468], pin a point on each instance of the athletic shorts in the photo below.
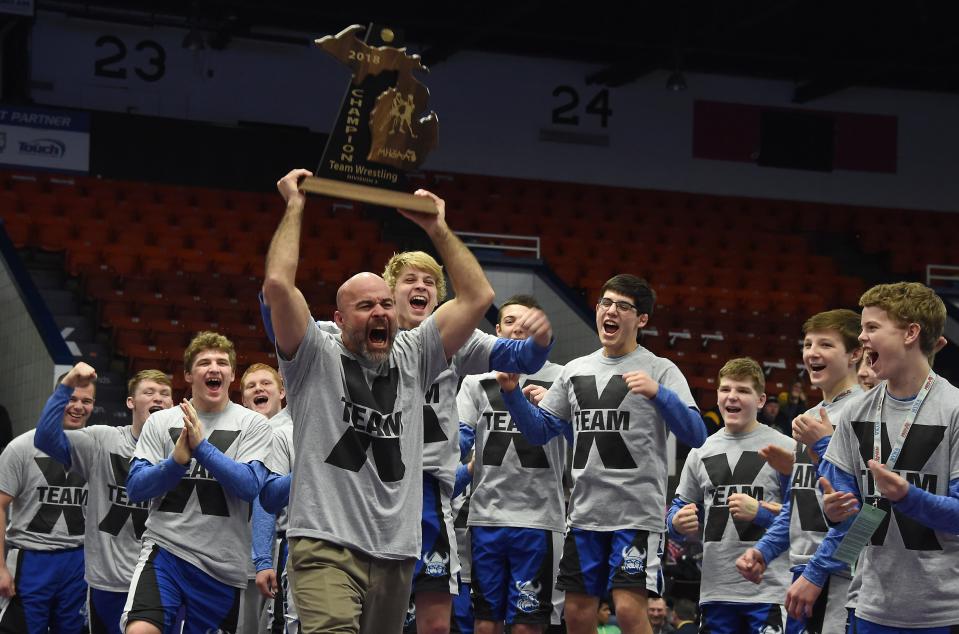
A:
[596,562]
[105,609]
[162,583]
[514,574]
[51,592]
[732,618]
[462,611]
[436,569]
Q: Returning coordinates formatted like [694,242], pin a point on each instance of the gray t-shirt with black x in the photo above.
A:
[199,521]
[515,483]
[49,503]
[908,575]
[619,453]
[361,424]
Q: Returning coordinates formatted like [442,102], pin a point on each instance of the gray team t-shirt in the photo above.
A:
[441,446]
[619,453]
[724,465]
[47,510]
[199,521]
[362,426]
[909,573]
[807,523]
[114,525]
[280,460]
[440,422]
[515,483]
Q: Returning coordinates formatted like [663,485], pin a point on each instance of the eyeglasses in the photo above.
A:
[621,306]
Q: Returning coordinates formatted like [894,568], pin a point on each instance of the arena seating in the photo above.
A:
[740,271]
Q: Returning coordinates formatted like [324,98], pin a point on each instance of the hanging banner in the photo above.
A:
[47,139]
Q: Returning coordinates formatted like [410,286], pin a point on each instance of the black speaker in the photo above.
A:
[797,140]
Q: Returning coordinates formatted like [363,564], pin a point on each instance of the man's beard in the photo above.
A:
[357,343]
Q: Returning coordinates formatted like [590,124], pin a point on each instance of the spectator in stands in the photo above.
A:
[772,414]
[684,617]
[865,375]
[795,403]
[603,625]
[658,612]
[713,419]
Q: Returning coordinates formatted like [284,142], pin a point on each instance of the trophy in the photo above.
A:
[379,134]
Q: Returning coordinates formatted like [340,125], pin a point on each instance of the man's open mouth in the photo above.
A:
[610,327]
[261,400]
[419,301]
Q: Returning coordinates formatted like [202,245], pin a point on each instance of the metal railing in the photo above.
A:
[942,272]
[501,242]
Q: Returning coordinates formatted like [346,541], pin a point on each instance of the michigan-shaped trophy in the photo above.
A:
[383,129]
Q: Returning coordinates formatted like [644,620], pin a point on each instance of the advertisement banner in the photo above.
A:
[47,139]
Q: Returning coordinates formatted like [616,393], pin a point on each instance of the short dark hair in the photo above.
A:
[517,300]
[636,288]
[684,609]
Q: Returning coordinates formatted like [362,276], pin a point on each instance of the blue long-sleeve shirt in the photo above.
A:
[467,439]
[242,480]
[539,426]
[275,494]
[938,512]
[264,524]
[775,541]
[50,437]
[674,508]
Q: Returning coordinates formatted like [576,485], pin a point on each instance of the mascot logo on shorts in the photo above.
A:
[437,565]
[528,600]
[772,629]
[410,615]
[634,560]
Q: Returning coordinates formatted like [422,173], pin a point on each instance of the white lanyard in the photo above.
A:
[906,425]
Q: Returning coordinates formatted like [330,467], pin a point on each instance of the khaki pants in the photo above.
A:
[340,590]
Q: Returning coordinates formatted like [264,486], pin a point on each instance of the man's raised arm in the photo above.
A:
[457,318]
[290,312]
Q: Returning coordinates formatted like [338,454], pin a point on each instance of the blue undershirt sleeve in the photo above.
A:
[684,421]
[50,437]
[523,356]
[822,564]
[263,525]
[240,479]
[463,479]
[820,450]
[679,503]
[146,481]
[467,439]
[275,494]
[267,317]
[536,425]
[764,517]
[938,512]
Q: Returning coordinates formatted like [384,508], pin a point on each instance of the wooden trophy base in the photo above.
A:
[366,194]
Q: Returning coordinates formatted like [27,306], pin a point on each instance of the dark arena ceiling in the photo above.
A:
[822,47]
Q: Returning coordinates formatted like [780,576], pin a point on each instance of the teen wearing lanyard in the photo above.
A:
[909,571]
